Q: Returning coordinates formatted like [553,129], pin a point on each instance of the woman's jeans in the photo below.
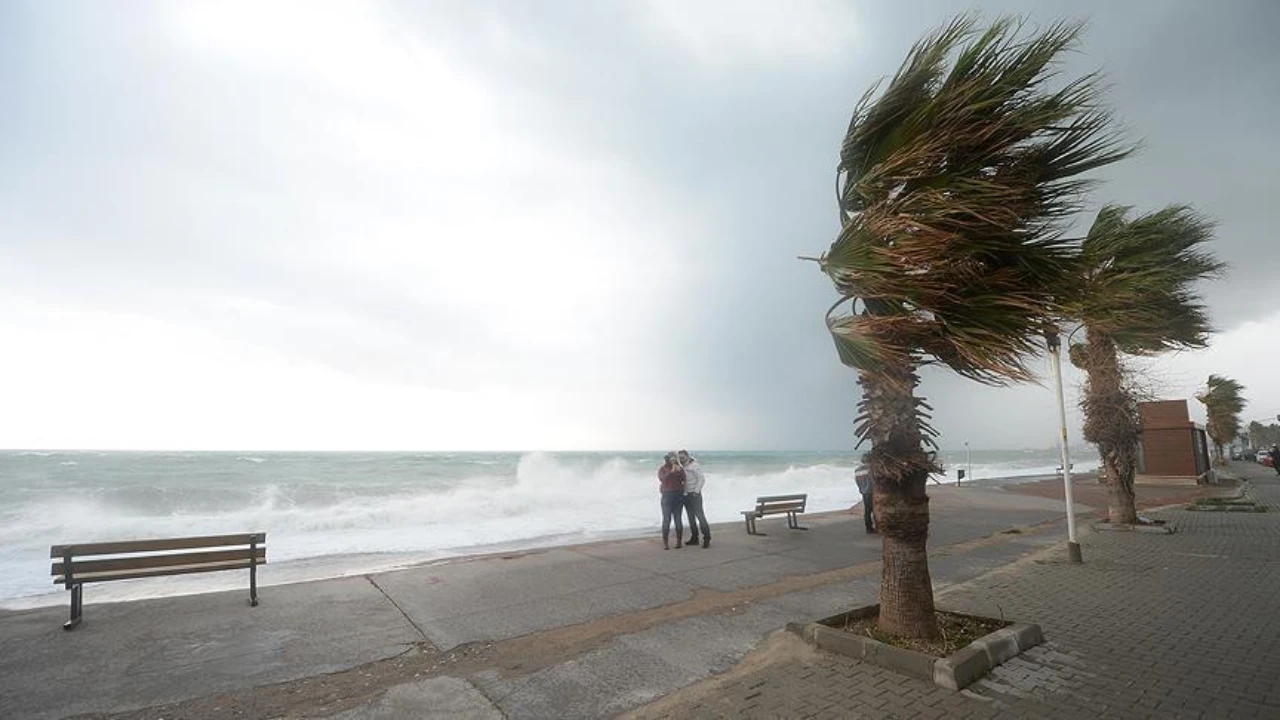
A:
[672,505]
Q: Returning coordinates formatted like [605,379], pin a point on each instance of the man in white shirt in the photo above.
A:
[693,482]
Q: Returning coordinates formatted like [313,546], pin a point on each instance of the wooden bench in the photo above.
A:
[153,558]
[790,505]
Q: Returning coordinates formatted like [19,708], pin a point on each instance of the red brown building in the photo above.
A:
[1171,446]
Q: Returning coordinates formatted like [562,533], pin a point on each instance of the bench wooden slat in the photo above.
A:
[158,572]
[134,546]
[139,562]
[779,509]
[778,504]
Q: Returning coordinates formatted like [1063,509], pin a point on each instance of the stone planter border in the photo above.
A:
[1161,528]
[954,672]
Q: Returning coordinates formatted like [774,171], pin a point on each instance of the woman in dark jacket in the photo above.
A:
[671,485]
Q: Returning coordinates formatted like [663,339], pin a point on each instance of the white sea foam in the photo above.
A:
[1015,470]
[435,506]
[546,497]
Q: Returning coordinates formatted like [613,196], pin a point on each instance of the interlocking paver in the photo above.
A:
[1167,626]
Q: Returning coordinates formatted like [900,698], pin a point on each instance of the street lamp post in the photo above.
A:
[968,464]
[1054,343]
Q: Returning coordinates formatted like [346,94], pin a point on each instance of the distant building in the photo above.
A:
[1171,446]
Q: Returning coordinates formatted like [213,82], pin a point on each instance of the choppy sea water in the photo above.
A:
[331,514]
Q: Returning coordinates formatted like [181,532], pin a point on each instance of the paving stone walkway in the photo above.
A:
[1150,626]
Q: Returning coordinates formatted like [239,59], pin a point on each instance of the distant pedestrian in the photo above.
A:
[862,476]
[693,484]
[671,485]
[1275,458]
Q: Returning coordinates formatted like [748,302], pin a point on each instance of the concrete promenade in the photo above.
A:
[1150,626]
[580,632]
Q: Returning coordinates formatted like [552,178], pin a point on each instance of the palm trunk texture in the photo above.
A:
[900,469]
[1111,423]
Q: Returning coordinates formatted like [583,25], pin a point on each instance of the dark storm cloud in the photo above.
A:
[744,143]
[755,149]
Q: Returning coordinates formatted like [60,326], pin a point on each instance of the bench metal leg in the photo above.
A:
[76,607]
[793,522]
[253,571]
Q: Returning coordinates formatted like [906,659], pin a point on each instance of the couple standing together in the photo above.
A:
[680,482]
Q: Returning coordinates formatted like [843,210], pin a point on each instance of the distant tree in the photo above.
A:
[1222,403]
[954,183]
[1261,436]
[1135,296]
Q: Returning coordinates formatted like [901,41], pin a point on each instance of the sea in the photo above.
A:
[333,514]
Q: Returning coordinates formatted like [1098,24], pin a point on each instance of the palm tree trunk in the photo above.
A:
[906,590]
[1111,423]
[900,469]
[1121,506]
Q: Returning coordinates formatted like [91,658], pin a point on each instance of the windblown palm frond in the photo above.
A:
[953,185]
[1223,401]
[1138,286]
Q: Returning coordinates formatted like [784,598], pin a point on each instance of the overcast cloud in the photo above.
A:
[511,225]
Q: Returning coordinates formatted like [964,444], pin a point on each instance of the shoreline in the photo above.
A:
[355,564]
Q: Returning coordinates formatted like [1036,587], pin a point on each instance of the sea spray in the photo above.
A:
[335,513]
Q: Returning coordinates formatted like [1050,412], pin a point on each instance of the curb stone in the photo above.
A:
[954,672]
[1161,529]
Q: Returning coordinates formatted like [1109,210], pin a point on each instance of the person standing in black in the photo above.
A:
[862,476]
[1275,458]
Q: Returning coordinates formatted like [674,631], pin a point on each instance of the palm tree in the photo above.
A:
[952,184]
[1135,297]
[1223,403]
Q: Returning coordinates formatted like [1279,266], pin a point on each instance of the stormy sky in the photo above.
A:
[513,225]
